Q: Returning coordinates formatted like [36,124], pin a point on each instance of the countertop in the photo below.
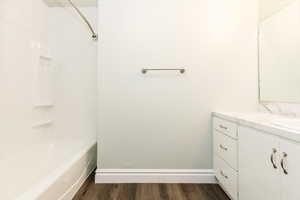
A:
[263,122]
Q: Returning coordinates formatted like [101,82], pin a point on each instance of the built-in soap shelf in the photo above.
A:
[42,117]
[43,123]
[43,102]
[46,57]
[44,105]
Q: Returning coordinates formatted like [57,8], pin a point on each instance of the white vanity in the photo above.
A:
[257,157]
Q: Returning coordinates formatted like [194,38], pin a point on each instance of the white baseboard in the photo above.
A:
[155,176]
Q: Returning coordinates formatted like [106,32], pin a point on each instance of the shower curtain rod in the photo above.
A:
[94,34]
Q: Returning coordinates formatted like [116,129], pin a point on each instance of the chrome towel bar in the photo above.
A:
[181,70]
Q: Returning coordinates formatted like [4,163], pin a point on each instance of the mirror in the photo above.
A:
[279,51]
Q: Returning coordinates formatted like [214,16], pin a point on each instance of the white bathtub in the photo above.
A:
[63,177]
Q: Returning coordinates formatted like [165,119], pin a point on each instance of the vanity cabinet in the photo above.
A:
[256,163]
[290,178]
[259,171]
[225,155]
[269,166]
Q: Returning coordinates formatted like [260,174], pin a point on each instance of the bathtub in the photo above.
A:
[57,173]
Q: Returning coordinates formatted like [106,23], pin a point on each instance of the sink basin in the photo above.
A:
[293,124]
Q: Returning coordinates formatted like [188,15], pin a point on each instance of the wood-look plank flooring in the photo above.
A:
[92,191]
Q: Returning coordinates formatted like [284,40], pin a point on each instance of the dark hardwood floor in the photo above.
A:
[92,191]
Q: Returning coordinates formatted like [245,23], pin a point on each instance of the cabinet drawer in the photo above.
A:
[226,148]
[226,127]
[227,177]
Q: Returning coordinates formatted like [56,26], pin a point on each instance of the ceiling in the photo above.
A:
[60,3]
[270,7]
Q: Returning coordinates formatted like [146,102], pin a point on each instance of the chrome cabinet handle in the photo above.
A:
[282,163]
[222,173]
[222,147]
[272,158]
[223,127]
[181,70]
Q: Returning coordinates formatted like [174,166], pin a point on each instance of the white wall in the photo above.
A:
[216,40]
[27,154]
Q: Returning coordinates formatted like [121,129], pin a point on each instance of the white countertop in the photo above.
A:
[264,122]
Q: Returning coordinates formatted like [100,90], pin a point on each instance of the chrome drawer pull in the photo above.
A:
[224,148]
[283,164]
[222,173]
[272,158]
[223,127]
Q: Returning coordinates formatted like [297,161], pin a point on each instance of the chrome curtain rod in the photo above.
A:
[94,34]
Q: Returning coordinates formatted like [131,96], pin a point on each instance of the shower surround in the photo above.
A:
[47,131]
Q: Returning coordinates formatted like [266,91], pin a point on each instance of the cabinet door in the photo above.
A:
[259,179]
[290,170]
